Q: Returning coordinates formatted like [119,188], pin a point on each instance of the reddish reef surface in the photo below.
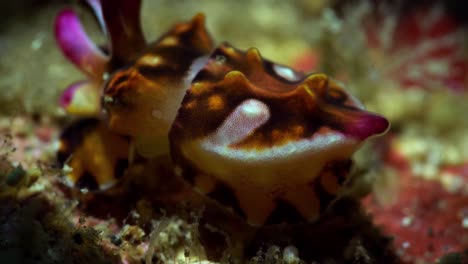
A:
[426,219]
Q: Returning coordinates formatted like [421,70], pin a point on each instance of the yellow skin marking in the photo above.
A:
[169,41]
[150,60]
[215,102]
[191,105]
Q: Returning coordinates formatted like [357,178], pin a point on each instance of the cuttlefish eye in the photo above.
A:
[268,142]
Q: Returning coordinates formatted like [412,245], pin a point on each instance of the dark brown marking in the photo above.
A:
[341,169]
[120,167]
[335,96]
[155,72]
[226,196]
[87,181]
[72,137]
[325,198]
[285,212]
[188,173]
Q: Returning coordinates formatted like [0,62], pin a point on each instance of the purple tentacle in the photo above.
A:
[77,47]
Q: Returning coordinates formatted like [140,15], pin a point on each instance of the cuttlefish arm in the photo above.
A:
[93,157]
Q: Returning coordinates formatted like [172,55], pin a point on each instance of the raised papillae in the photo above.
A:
[267,142]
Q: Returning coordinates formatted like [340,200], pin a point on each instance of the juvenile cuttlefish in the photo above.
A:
[264,140]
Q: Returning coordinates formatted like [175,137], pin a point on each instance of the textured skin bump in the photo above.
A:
[267,135]
[243,121]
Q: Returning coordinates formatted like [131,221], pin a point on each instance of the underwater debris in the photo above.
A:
[172,239]
[36,229]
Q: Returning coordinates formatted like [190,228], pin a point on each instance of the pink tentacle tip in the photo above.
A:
[67,96]
[77,46]
[81,98]
[367,125]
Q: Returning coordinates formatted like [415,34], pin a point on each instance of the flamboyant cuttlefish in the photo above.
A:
[258,137]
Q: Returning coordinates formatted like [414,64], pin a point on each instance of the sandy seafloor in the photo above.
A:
[412,184]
